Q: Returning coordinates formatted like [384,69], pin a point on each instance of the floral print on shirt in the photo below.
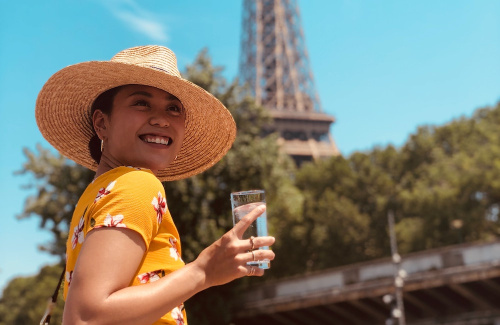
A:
[149,277]
[78,235]
[69,277]
[160,205]
[114,221]
[104,191]
[177,314]
[173,250]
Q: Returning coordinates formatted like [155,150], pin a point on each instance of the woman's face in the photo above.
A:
[145,128]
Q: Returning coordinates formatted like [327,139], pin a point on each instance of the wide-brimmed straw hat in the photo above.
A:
[63,108]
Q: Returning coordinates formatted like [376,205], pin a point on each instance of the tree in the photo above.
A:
[345,210]
[451,192]
[59,183]
[443,184]
[25,298]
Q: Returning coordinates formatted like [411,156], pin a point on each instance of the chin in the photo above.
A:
[158,166]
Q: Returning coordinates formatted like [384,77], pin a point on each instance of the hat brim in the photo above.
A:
[63,109]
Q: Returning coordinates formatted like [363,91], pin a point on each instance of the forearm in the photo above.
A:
[143,304]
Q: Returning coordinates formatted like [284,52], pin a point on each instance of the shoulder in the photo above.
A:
[142,179]
[130,198]
[129,184]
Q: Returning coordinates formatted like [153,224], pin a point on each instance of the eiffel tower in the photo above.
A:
[274,62]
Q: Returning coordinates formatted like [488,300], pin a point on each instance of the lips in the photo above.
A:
[157,139]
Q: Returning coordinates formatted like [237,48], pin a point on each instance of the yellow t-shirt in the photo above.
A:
[135,199]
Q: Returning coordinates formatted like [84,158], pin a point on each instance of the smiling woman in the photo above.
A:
[136,122]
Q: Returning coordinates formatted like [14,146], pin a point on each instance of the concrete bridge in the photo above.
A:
[457,285]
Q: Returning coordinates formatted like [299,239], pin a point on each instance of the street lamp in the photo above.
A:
[396,300]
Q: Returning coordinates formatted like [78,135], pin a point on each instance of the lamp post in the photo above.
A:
[396,301]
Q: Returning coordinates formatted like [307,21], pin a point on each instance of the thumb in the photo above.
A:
[247,220]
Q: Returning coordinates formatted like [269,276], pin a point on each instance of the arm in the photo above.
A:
[100,292]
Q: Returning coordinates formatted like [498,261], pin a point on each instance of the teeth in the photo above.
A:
[159,140]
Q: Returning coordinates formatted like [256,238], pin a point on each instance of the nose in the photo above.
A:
[160,120]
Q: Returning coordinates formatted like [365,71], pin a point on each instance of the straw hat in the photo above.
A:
[63,108]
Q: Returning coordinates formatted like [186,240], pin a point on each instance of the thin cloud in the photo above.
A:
[138,19]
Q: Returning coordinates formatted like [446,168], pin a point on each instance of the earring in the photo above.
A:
[102,145]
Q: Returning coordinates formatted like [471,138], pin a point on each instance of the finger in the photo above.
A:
[254,271]
[256,242]
[253,256]
[252,243]
[247,220]
[259,255]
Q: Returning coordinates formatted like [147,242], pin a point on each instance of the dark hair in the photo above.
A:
[104,103]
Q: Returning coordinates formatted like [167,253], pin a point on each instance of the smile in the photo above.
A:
[156,139]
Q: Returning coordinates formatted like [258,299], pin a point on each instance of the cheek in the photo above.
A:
[181,133]
[122,133]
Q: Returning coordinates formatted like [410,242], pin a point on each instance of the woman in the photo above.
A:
[136,122]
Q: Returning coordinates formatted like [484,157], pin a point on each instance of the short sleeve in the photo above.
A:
[134,200]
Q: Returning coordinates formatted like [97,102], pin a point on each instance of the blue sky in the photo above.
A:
[382,68]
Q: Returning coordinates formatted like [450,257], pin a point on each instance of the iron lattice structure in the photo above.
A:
[274,62]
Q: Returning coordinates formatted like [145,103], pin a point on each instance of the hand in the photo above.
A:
[226,259]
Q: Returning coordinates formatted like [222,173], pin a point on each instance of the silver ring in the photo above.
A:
[253,255]
[251,271]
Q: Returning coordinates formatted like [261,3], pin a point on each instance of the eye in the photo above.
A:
[141,102]
[175,110]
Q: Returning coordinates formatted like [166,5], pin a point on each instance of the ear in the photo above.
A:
[100,122]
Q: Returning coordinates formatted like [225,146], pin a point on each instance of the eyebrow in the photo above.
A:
[149,95]
[143,93]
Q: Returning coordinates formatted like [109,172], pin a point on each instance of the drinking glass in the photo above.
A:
[241,204]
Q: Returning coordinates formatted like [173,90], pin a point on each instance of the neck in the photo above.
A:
[107,163]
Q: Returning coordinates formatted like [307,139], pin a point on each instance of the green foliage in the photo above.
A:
[25,298]
[331,232]
[458,180]
[58,185]
[346,199]
[443,184]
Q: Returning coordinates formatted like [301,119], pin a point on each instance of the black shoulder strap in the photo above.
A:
[52,301]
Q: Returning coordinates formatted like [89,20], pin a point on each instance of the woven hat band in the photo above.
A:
[155,57]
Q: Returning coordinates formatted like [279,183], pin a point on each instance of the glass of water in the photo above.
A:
[243,203]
